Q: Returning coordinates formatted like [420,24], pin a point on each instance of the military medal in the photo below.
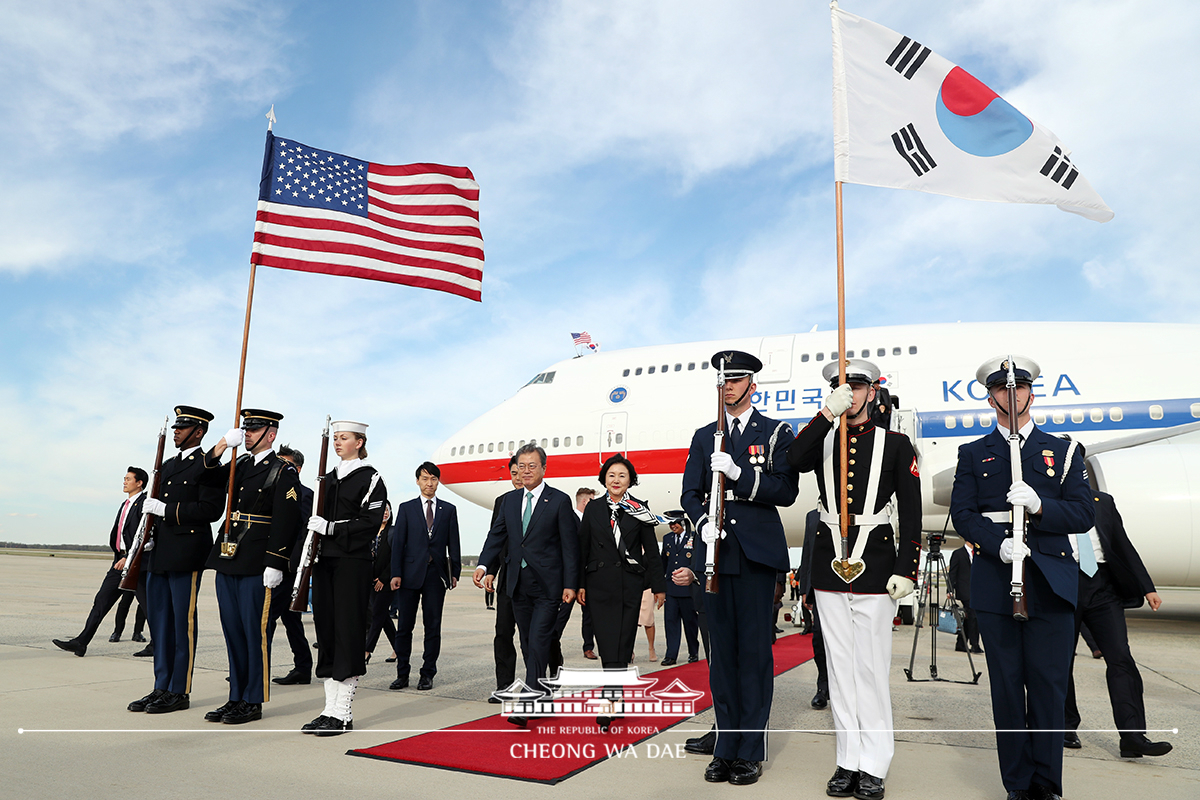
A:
[1048,457]
[756,454]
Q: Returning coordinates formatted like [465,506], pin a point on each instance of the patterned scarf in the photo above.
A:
[634,508]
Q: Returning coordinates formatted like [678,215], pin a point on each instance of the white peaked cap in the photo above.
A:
[348,426]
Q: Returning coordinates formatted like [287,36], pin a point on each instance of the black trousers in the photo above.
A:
[502,646]
[139,618]
[339,599]
[589,638]
[106,597]
[560,627]
[432,597]
[536,613]
[969,632]
[679,612]
[818,643]
[293,624]
[381,617]
[1101,609]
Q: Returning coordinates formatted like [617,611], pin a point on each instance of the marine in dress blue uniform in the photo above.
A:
[191,498]
[856,616]
[251,558]
[678,548]
[1028,661]
[751,554]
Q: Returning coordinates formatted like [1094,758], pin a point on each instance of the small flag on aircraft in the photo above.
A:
[581,338]
[906,118]
[414,224]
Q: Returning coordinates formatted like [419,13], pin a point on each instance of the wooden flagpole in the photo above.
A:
[237,410]
[843,428]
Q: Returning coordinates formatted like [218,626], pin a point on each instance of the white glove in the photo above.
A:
[1022,494]
[148,546]
[318,525]
[723,462]
[234,437]
[154,506]
[899,586]
[1011,547]
[272,577]
[708,533]
[839,400]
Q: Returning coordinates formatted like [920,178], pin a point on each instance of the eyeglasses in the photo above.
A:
[528,467]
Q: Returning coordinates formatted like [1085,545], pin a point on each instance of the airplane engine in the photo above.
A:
[1157,490]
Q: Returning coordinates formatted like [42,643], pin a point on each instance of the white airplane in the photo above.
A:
[1123,389]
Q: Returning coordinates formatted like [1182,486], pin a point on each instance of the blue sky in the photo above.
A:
[651,172]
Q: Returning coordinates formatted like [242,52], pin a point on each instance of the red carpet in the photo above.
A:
[554,749]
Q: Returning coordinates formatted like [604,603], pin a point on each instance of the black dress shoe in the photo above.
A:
[330,726]
[399,683]
[424,684]
[1018,794]
[960,648]
[71,646]
[137,637]
[245,712]
[520,722]
[168,702]
[493,699]
[1071,740]
[668,662]
[1137,745]
[977,650]
[820,699]
[311,727]
[145,652]
[702,745]
[869,787]
[693,659]
[1039,792]
[116,637]
[294,677]
[744,773]
[217,714]
[140,705]
[842,784]
[717,771]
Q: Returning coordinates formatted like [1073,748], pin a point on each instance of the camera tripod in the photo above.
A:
[929,601]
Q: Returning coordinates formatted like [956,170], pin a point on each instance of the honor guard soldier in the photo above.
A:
[355,496]
[752,551]
[678,548]
[1028,660]
[251,557]
[856,597]
[191,498]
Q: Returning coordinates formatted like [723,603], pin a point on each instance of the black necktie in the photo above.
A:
[735,435]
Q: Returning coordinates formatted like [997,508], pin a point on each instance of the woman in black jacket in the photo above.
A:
[619,553]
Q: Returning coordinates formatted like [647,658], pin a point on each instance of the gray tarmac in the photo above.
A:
[66,731]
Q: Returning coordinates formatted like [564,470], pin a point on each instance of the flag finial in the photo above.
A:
[271,118]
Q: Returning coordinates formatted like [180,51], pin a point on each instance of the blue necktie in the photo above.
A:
[1087,555]
[525,519]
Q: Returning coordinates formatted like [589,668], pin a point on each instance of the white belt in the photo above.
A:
[832,520]
[1002,517]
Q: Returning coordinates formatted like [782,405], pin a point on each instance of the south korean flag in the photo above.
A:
[906,118]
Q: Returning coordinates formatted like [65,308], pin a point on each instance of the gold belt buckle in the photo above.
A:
[236,516]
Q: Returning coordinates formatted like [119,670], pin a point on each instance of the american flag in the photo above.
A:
[415,224]
[581,338]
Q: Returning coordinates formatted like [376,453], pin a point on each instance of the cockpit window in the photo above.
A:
[544,377]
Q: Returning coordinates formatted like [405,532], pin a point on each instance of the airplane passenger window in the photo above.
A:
[625,374]
[452,449]
[950,423]
[703,365]
[472,450]
[1039,418]
[1077,416]
[566,441]
[1116,414]
[833,356]
[510,446]
[579,441]
[1059,417]
[543,444]
[691,365]
[665,366]
[637,371]
[650,370]
[986,420]
[490,446]
[895,351]
[803,358]
[820,356]
[912,351]
[555,442]
[1196,409]
[522,443]
[620,437]
[1097,415]
[1156,412]
[968,421]
[481,448]
[678,367]
[880,353]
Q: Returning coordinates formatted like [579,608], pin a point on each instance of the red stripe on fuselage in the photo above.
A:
[647,462]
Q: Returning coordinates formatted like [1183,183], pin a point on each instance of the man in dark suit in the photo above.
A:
[281,601]
[191,498]
[426,560]
[1113,578]
[960,582]
[503,649]
[129,516]
[251,557]
[752,552]
[678,546]
[539,526]
[1029,661]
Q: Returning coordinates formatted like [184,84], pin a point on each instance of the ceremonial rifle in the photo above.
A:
[312,542]
[1020,602]
[716,497]
[133,558]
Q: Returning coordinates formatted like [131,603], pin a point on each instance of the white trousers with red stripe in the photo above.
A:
[858,656]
